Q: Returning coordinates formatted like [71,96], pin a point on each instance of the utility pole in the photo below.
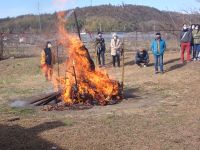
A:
[100,28]
[40,26]
[1,46]
[91,3]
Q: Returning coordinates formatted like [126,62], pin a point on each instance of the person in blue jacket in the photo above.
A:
[158,47]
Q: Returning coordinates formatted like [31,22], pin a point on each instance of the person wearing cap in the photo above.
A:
[47,61]
[116,49]
[158,47]
[142,57]
[100,49]
[185,40]
[196,39]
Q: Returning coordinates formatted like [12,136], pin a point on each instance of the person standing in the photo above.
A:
[192,42]
[116,49]
[47,61]
[100,49]
[196,37]
[185,40]
[158,47]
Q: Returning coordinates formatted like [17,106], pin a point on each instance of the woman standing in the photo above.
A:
[196,37]
[115,49]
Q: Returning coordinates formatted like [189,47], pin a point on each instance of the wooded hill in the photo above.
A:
[105,18]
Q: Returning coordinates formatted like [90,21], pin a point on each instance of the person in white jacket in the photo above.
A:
[116,49]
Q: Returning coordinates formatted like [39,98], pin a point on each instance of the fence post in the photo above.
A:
[1,46]
[136,38]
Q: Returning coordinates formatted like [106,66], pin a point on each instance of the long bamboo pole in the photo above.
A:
[74,70]
[123,67]
[77,26]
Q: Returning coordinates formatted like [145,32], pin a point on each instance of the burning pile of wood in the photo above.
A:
[83,83]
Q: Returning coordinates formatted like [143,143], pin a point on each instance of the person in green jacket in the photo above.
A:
[196,37]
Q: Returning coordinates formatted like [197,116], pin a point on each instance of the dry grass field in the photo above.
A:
[160,112]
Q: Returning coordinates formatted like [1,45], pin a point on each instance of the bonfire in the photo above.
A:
[82,83]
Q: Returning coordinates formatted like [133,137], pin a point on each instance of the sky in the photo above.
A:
[13,8]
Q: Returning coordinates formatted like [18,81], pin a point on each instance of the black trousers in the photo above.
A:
[116,59]
[142,61]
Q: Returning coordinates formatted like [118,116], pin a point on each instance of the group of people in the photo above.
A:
[158,48]
[189,42]
[116,49]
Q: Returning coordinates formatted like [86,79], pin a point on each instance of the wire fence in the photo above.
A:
[30,45]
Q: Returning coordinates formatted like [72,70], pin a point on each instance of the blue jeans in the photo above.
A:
[101,58]
[196,50]
[158,61]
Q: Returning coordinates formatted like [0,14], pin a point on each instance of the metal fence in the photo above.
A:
[31,44]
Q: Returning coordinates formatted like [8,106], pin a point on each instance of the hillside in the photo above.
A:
[104,17]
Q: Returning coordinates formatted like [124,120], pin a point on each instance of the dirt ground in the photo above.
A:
[160,112]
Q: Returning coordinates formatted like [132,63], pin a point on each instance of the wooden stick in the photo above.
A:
[48,100]
[123,69]
[43,98]
[58,62]
[76,82]
[77,26]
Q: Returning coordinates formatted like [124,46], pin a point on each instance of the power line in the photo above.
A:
[40,25]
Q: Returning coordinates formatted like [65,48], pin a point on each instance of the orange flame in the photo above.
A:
[83,83]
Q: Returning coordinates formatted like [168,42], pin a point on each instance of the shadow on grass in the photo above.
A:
[176,66]
[165,63]
[130,93]
[132,62]
[16,137]
[171,61]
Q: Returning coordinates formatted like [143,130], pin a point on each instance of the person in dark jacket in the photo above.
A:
[47,61]
[142,57]
[158,47]
[100,49]
[185,40]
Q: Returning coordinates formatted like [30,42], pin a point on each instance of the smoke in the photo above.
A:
[61,3]
[69,14]
[198,1]
[18,103]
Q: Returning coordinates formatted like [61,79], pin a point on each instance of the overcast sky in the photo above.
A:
[13,8]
